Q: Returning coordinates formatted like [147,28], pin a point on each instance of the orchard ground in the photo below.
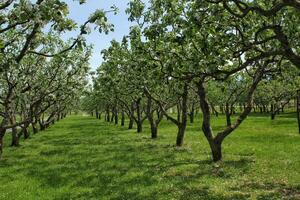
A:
[85,158]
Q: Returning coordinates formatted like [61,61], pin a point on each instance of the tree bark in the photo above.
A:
[139,122]
[26,133]
[15,138]
[273,112]
[216,150]
[139,127]
[34,128]
[184,114]
[228,115]
[130,115]
[2,133]
[192,113]
[116,116]
[14,133]
[107,115]
[123,118]
[131,121]
[153,124]
[112,115]
[97,114]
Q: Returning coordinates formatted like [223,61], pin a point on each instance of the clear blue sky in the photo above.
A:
[80,13]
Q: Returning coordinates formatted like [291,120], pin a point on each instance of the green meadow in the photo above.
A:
[85,158]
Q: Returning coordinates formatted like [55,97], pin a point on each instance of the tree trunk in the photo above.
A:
[180,135]
[228,119]
[184,109]
[15,138]
[153,132]
[130,115]
[273,112]
[139,122]
[42,125]
[192,113]
[151,120]
[107,115]
[139,126]
[26,133]
[122,118]
[216,150]
[131,121]
[97,114]
[2,133]
[112,115]
[14,132]
[34,128]
[228,115]
[116,116]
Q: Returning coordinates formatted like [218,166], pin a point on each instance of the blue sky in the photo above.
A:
[80,13]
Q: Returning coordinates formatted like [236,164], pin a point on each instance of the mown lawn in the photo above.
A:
[84,158]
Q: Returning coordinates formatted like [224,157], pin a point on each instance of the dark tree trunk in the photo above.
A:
[192,114]
[2,133]
[34,128]
[228,115]
[112,115]
[184,113]
[122,118]
[216,150]
[42,125]
[139,127]
[180,135]
[152,122]
[107,115]
[273,112]
[139,122]
[130,115]
[131,121]
[26,133]
[15,138]
[14,133]
[116,116]
[153,132]
[228,119]
[97,114]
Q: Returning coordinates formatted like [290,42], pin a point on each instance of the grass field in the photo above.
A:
[84,158]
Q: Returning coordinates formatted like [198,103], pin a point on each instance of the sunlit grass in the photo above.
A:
[85,158]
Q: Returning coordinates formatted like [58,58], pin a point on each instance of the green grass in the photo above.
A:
[84,158]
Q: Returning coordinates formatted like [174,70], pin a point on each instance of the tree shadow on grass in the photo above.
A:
[113,164]
[271,190]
